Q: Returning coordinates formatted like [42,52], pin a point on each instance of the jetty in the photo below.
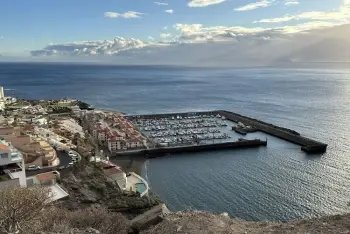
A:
[166,151]
[307,145]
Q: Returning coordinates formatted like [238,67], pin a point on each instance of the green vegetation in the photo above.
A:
[3,178]
[60,109]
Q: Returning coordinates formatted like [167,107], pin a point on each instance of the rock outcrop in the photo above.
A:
[204,222]
[88,187]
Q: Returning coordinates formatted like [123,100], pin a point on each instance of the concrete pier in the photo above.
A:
[308,145]
[161,152]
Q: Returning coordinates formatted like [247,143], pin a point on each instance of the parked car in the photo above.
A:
[33,168]
[71,154]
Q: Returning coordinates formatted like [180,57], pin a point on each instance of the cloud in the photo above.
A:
[204,3]
[165,35]
[170,11]
[342,14]
[197,33]
[150,38]
[102,47]
[255,5]
[161,3]
[2,37]
[165,27]
[197,44]
[291,3]
[126,15]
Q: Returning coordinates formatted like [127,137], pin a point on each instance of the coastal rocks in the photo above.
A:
[151,217]
[86,231]
[204,222]
[76,231]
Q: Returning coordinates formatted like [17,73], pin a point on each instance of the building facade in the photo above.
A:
[12,167]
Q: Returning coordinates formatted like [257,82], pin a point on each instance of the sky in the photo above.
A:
[78,28]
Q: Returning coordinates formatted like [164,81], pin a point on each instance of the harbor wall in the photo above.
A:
[308,145]
[160,152]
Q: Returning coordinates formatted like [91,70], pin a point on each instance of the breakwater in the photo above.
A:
[308,145]
[160,152]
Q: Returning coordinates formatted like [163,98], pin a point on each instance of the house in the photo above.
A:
[134,143]
[35,151]
[12,169]
[49,180]
[116,174]
[39,121]
[115,144]
[113,172]
[76,110]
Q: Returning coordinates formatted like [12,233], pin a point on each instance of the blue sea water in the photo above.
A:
[275,183]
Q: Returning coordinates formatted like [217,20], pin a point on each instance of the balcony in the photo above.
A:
[16,156]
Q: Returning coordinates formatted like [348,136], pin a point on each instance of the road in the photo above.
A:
[64,161]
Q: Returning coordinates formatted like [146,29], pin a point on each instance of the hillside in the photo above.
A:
[205,223]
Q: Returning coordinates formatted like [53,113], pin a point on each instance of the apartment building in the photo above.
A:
[12,168]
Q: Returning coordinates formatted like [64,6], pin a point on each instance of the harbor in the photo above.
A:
[211,130]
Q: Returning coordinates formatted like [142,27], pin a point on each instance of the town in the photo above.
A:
[40,138]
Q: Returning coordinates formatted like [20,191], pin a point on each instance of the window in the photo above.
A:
[4,155]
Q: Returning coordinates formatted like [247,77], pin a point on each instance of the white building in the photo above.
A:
[12,168]
[49,180]
[2,99]
[76,110]
[39,121]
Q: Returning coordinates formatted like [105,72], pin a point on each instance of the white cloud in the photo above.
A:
[165,35]
[170,11]
[161,3]
[276,20]
[102,47]
[200,45]
[197,33]
[291,3]
[342,14]
[255,5]
[204,3]
[126,15]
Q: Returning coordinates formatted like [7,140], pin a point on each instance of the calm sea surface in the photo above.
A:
[275,183]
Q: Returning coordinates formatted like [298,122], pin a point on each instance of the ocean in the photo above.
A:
[279,182]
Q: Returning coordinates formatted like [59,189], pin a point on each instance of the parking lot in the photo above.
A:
[65,159]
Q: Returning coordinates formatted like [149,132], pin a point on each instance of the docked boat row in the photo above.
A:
[184,132]
[193,139]
[180,130]
[170,124]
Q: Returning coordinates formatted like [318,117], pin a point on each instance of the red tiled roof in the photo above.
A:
[4,148]
[45,176]
[112,171]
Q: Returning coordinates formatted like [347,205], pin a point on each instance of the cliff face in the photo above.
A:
[88,187]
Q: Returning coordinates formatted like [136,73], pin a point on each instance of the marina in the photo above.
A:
[182,130]
[213,128]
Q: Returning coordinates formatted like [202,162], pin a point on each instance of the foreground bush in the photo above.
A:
[28,210]
[21,207]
